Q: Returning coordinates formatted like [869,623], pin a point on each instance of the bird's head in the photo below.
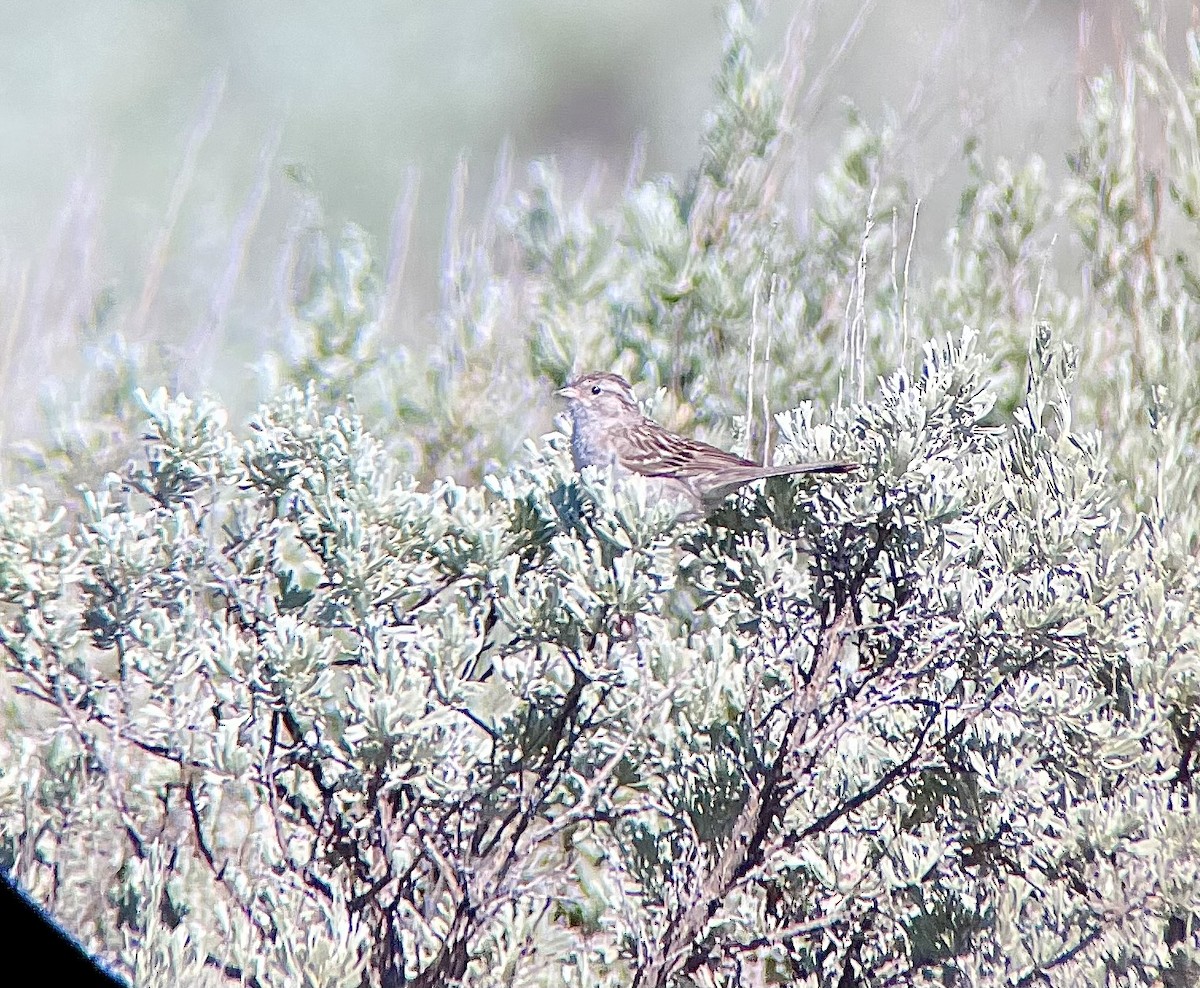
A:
[600,396]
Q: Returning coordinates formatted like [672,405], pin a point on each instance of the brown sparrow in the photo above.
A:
[610,430]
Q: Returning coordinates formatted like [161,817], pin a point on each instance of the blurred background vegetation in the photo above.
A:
[148,145]
[164,165]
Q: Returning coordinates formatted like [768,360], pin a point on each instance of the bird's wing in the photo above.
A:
[654,452]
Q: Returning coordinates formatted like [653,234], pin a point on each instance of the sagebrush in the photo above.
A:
[288,705]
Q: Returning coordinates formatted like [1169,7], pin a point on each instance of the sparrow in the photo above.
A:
[610,430]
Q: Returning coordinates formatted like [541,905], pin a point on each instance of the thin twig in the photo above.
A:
[766,391]
[912,237]
[834,58]
[750,365]
[205,341]
[858,328]
[400,239]
[157,261]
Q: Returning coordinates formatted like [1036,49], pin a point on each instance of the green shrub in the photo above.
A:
[283,708]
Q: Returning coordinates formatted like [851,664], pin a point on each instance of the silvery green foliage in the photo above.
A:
[286,717]
[680,284]
[331,335]
[279,713]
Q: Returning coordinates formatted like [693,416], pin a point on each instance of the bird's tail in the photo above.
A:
[730,479]
[821,466]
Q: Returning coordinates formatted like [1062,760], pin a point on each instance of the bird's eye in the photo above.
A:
[595,389]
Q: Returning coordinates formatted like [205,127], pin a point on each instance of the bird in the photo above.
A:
[608,429]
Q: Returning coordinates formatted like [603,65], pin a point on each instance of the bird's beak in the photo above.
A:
[568,392]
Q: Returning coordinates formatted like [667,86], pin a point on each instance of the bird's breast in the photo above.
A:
[589,447]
